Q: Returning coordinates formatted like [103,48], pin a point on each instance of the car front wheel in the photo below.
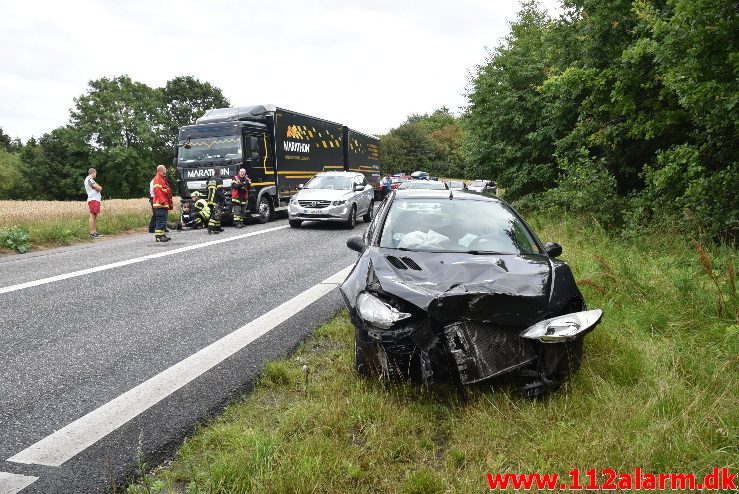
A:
[368,216]
[352,221]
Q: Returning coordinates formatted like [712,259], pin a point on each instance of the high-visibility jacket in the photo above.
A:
[215,190]
[201,205]
[240,188]
[162,193]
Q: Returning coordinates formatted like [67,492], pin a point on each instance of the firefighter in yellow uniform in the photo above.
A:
[199,211]
[216,199]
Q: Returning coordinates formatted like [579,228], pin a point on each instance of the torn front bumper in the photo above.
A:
[481,350]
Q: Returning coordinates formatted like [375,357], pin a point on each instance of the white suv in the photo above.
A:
[333,196]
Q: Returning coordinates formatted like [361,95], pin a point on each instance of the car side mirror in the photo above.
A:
[356,243]
[300,186]
[358,187]
[553,249]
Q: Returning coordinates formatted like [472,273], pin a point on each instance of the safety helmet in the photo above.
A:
[196,195]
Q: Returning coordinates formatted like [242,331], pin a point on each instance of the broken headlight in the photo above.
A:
[564,328]
[376,312]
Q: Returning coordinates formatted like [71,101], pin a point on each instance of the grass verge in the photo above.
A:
[56,223]
[658,389]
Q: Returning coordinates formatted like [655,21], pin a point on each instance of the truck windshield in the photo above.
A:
[217,148]
[329,182]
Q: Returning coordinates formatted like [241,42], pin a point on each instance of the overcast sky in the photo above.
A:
[367,64]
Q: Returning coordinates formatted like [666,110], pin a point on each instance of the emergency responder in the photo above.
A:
[199,211]
[161,203]
[240,197]
[215,201]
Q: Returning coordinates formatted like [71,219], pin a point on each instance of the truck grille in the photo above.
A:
[314,204]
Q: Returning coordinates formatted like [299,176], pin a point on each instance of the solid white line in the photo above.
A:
[74,438]
[83,272]
[10,483]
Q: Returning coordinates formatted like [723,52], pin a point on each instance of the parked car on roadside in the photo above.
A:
[396,181]
[420,175]
[459,287]
[483,186]
[333,196]
[456,185]
[422,184]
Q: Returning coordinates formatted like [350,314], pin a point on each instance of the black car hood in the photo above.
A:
[516,290]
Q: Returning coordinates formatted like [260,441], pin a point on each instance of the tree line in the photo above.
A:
[623,110]
[119,126]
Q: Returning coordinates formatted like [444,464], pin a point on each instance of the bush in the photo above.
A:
[680,186]
[15,238]
[586,188]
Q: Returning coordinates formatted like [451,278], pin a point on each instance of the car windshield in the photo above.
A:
[337,182]
[218,148]
[478,183]
[422,184]
[446,225]
[456,185]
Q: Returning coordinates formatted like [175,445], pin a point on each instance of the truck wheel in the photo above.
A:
[352,221]
[295,223]
[368,216]
[265,211]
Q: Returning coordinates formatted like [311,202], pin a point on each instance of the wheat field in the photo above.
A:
[53,223]
[25,212]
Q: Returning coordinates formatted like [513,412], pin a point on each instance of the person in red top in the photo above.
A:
[161,203]
[240,198]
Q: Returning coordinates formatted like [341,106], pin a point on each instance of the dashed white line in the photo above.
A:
[74,438]
[96,269]
[10,483]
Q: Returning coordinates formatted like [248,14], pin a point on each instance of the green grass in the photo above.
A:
[58,223]
[658,389]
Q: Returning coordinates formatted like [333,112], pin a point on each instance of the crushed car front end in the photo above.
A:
[470,317]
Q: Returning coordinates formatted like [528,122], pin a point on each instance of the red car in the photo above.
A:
[396,181]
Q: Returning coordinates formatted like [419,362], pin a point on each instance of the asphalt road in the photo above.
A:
[83,327]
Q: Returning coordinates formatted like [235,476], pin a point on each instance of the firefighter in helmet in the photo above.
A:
[216,200]
[199,211]
[240,197]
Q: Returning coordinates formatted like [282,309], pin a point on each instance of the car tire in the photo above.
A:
[365,357]
[295,223]
[352,221]
[370,211]
[571,359]
[265,210]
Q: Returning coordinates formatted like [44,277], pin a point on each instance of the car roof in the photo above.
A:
[441,194]
[338,173]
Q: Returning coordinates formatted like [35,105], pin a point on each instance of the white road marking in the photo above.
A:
[74,438]
[10,483]
[83,272]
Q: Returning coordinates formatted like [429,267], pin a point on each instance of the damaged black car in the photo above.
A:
[451,285]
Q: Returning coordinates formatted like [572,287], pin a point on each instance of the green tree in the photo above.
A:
[14,183]
[406,149]
[4,140]
[124,124]
[185,99]
[56,164]
[506,110]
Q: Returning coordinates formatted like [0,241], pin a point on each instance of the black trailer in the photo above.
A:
[362,154]
[280,150]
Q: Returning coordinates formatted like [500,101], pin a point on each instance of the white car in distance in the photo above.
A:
[333,196]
